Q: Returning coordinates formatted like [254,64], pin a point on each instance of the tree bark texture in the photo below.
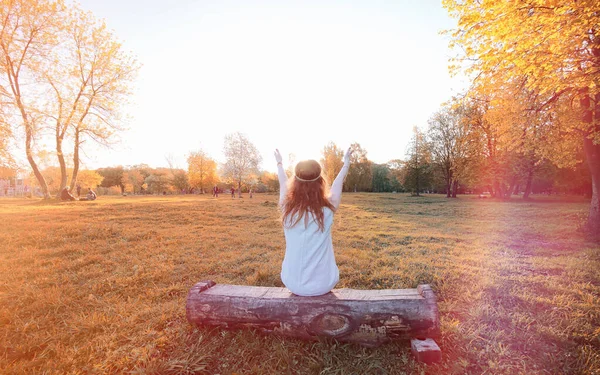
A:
[366,317]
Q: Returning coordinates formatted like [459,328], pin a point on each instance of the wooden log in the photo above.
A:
[367,317]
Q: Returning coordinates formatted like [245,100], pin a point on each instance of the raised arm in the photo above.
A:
[336,188]
[283,179]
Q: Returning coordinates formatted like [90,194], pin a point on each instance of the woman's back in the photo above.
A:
[309,267]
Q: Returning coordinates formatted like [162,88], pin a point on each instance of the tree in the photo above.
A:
[418,164]
[29,32]
[61,69]
[157,182]
[270,180]
[556,47]
[100,75]
[331,161]
[241,159]
[112,176]
[360,174]
[88,178]
[384,180]
[133,180]
[202,170]
[452,150]
[179,178]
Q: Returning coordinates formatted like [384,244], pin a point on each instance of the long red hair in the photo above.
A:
[307,193]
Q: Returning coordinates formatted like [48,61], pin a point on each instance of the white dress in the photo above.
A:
[309,267]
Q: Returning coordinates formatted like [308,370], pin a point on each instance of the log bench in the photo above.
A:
[366,317]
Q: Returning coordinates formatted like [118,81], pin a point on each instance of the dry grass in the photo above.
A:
[100,287]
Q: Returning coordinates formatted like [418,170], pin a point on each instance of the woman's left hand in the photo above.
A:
[347,156]
[278,157]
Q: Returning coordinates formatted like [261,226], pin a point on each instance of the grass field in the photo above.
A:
[100,287]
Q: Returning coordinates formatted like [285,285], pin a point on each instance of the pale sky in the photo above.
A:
[292,75]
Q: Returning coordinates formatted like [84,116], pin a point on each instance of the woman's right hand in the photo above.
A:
[278,157]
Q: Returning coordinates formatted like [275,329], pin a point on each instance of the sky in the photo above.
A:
[292,75]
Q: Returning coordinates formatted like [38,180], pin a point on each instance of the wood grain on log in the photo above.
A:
[367,317]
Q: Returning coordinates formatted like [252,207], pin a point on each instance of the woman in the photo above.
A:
[309,267]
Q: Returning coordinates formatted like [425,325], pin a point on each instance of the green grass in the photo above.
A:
[100,287]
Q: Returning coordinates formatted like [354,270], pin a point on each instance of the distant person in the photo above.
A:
[65,195]
[215,191]
[90,196]
[309,267]
[78,190]
[232,192]
[250,192]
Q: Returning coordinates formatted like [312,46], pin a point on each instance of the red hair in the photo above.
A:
[307,193]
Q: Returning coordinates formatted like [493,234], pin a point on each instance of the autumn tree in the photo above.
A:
[360,174]
[88,178]
[202,170]
[241,159]
[29,32]
[556,47]
[60,70]
[270,180]
[157,181]
[99,74]
[133,180]
[331,161]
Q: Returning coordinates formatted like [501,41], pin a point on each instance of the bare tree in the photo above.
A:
[242,159]
[418,174]
[450,145]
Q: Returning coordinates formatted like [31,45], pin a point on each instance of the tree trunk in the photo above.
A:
[592,153]
[508,193]
[454,188]
[32,163]
[417,180]
[239,188]
[528,186]
[61,162]
[75,161]
[367,317]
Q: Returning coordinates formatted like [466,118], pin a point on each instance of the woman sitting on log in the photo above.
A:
[309,267]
